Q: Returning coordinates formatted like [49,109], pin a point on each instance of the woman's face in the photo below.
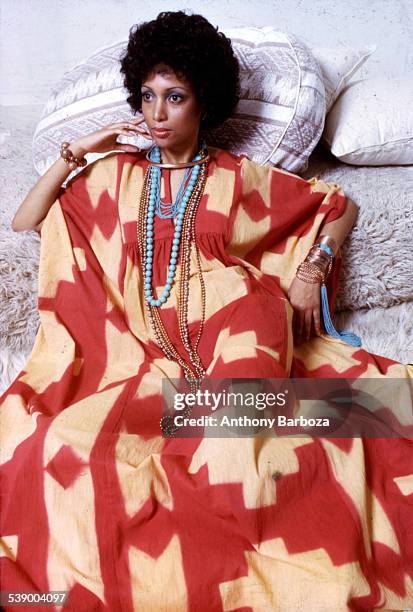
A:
[170,103]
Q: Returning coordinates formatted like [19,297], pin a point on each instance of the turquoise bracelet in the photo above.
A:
[346,336]
[325,248]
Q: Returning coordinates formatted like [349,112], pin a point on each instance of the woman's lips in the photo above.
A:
[161,133]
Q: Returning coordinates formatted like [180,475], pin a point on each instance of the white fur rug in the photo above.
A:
[377,269]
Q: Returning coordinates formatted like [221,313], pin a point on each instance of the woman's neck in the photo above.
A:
[181,156]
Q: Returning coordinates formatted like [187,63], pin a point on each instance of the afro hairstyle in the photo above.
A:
[194,50]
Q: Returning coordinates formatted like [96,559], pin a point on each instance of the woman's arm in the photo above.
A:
[38,201]
[40,198]
[305,297]
[340,228]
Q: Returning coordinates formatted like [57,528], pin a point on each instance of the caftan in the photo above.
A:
[96,502]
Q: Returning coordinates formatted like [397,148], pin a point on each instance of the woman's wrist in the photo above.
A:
[317,265]
[77,149]
[329,241]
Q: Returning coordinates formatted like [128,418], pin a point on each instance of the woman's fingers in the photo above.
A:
[298,325]
[146,135]
[119,132]
[126,132]
[305,300]
[129,125]
[140,131]
[317,322]
[133,129]
[305,323]
[295,325]
[308,318]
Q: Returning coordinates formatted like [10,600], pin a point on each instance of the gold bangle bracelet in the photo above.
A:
[329,241]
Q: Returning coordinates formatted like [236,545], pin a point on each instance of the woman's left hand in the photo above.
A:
[305,299]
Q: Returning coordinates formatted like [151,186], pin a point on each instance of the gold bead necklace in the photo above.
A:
[195,372]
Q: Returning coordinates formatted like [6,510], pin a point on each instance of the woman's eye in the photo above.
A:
[146,95]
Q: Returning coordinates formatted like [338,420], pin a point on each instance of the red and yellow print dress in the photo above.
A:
[96,502]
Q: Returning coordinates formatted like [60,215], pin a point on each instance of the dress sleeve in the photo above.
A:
[275,219]
[89,196]
[80,302]
[81,230]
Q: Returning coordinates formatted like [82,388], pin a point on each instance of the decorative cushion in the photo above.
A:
[371,124]
[280,116]
[338,65]
[279,119]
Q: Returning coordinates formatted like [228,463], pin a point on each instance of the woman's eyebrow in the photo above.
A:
[168,88]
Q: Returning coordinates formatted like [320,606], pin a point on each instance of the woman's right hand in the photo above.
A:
[104,140]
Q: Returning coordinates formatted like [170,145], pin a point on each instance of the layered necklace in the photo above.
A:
[183,211]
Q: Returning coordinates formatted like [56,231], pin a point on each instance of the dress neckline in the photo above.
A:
[166,178]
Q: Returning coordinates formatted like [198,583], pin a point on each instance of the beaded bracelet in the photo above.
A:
[310,273]
[69,159]
[317,265]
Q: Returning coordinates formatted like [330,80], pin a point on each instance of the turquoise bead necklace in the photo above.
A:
[175,210]
[171,209]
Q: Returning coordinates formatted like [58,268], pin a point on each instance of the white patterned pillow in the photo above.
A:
[279,118]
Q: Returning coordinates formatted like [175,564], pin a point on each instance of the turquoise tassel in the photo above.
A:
[345,336]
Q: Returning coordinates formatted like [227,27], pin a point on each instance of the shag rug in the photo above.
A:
[375,297]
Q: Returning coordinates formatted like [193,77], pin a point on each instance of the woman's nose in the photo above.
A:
[159,111]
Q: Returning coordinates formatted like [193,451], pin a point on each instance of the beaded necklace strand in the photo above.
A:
[171,209]
[184,239]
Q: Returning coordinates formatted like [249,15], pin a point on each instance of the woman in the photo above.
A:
[152,273]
